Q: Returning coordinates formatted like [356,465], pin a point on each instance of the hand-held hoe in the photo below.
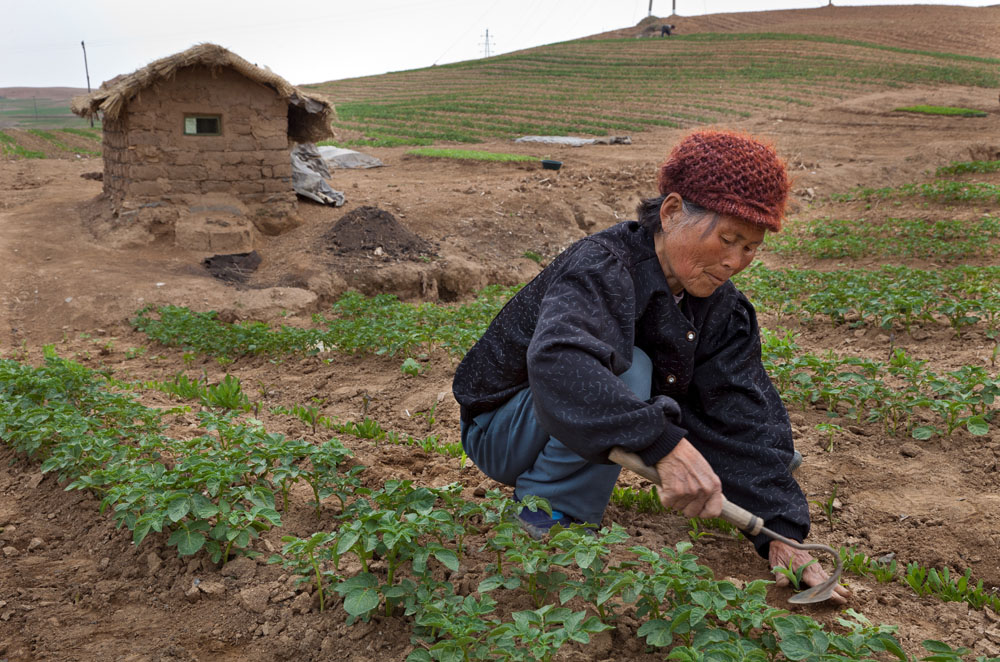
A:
[748,522]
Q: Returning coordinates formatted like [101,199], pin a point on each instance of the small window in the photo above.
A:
[203,125]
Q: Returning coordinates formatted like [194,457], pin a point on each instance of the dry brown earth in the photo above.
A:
[73,588]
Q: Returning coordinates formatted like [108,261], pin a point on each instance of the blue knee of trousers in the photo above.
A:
[511,447]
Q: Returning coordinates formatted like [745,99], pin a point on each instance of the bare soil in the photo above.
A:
[74,588]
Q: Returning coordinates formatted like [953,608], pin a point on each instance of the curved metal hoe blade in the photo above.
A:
[751,523]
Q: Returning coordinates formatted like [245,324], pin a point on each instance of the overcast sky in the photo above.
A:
[309,41]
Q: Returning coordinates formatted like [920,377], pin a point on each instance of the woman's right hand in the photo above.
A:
[688,484]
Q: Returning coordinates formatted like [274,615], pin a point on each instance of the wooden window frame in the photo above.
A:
[196,116]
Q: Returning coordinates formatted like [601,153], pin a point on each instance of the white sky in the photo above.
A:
[310,41]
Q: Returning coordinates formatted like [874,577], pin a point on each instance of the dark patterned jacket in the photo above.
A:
[572,329]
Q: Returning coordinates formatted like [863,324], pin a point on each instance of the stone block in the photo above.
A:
[191,172]
[151,137]
[249,186]
[214,232]
[276,185]
[153,188]
[230,173]
[216,186]
[236,128]
[275,157]
[188,157]
[185,186]
[275,142]
[248,172]
[242,144]
[273,225]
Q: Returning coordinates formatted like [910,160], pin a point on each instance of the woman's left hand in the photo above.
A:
[780,555]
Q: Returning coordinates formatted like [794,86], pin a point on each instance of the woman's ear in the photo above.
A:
[672,205]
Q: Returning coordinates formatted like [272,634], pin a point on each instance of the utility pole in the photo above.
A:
[486,44]
[87,69]
[650,9]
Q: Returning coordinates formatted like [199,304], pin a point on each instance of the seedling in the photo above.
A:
[410,367]
[828,506]
[830,429]
[793,574]
[695,532]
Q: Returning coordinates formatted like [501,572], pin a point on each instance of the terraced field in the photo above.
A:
[622,86]
[195,469]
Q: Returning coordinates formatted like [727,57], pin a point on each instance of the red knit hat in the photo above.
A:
[729,173]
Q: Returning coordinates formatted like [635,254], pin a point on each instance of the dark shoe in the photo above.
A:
[538,523]
[796,461]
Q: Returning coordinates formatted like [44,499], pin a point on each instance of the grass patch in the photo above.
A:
[943,110]
[9,146]
[962,167]
[89,134]
[577,87]
[359,325]
[941,190]
[897,237]
[50,137]
[471,155]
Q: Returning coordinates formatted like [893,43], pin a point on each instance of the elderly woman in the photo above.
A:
[635,337]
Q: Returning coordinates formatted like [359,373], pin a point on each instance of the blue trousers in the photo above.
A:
[510,446]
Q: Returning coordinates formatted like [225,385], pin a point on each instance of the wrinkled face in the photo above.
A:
[699,257]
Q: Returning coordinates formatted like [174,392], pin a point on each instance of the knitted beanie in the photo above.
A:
[729,173]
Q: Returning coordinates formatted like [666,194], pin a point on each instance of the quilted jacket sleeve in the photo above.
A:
[735,417]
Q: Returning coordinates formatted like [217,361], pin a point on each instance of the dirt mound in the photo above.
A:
[368,229]
[233,268]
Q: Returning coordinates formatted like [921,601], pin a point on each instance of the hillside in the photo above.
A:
[718,69]
[194,402]
[948,29]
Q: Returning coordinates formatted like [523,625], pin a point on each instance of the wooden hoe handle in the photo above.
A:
[738,517]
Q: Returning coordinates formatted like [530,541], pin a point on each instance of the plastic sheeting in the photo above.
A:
[572,141]
[309,175]
[338,157]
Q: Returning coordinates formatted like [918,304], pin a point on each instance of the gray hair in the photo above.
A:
[648,212]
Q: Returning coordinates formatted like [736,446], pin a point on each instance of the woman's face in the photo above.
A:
[699,257]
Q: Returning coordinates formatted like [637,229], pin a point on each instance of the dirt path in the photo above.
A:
[74,588]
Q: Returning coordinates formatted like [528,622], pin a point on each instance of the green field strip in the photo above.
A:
[89,134]
[54,140]
[951,239]
[10,147]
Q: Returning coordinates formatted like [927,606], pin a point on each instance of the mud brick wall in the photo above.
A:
[115,153]
[250,160]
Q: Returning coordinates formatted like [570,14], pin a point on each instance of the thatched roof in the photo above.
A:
[308,116]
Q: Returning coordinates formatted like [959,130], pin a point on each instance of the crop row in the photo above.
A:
[52,138]
[9,146]
[922,580]
[228,395]
[377,325]
[216,493]
[913,399]
[940,190]
[888,297]
[565,85]
[836,238]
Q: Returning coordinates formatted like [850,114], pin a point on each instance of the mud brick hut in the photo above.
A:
[197,146]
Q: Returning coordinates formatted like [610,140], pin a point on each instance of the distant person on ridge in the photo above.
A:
[635,337]
[666,30]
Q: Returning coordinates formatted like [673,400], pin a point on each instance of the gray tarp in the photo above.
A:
[309,175]
[338,157]
[575,142]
